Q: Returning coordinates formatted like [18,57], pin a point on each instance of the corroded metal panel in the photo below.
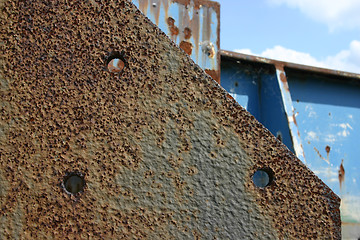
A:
[109,130]
[192,24]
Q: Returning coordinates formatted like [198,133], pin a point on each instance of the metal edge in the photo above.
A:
[253,58]
[290,112]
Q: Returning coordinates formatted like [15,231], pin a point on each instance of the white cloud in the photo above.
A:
[285,54]
[346,60]
[335,13]
[245,51]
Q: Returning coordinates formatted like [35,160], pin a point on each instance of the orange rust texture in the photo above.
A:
[145,139]
[284,81]
[214,74]
[187,33]
[186,46]
[173,29]
[327,149]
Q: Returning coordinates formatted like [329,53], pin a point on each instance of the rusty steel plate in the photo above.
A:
[109,131]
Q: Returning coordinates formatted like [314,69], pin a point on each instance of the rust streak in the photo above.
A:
[283,79]
[187,33]
[295,122]
[327,149]
[143,6]
[195,28]
[341,173]
[166,8]
[155,10]
[318,152]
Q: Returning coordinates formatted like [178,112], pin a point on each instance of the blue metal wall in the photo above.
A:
[255,87]
[317,113]
[328,116]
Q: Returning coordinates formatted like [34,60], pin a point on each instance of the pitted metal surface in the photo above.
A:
[163,150]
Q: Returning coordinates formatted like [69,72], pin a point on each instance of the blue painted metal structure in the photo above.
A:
[317,112]
[255,87]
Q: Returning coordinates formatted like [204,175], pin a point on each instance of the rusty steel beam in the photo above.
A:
[325,71]
[109,130]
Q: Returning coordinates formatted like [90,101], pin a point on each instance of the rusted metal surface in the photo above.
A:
[158,150]
[322,110]
[193,24]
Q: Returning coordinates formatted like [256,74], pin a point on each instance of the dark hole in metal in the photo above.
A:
[74,183]
[115,63]
[236,84]
[263,177]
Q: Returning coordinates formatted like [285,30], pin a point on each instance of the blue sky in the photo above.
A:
[323,33]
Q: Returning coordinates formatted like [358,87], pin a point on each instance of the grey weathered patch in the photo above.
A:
[203,188]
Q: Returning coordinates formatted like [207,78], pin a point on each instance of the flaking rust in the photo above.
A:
[164,153]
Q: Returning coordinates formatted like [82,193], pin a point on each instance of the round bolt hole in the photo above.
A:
[116,65]
[263,177]
[74,183]
[115,62]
